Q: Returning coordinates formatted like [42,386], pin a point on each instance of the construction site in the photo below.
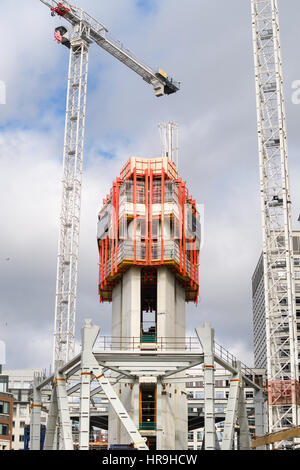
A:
[152,384]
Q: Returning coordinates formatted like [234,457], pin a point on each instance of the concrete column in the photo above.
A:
[116,330]
[166,308]
[181,417]
[243,420]
[206,337]
[51,433]
[232,410]
[159,420]
[260,420]
[35,421]
[180,315]
[66,438]
[131,304]
[168,417]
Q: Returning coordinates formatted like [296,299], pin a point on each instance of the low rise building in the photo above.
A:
[6,413]
[20,383]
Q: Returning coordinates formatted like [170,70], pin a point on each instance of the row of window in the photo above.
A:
[218,395]
[218,384]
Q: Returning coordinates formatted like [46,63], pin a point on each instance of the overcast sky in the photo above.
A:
[207,45]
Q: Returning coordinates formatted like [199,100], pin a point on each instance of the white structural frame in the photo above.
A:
[169,135]
[85,30]
[98,33]
[68,244]
[280,305]
[92,365]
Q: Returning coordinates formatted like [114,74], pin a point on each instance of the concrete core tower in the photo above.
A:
[149,240]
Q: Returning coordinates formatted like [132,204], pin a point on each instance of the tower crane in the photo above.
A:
[85,30]
[280,304]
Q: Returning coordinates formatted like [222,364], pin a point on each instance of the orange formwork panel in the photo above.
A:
[143,197]
[283,392]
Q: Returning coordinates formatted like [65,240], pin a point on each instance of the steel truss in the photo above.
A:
[92,366]
[68,246]
[280,305]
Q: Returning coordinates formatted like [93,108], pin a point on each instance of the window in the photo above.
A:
[200,435]
[21,438]
[199,395]
[296,245]
[199,384]
[4,429]
[4,407]
[23,410]
[24,396]
[219,395]
[190,436]
[27,385]
[22,424]
[4,384]
[219,383]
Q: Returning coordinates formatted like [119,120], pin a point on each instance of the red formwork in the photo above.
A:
[148,178]
[283,392]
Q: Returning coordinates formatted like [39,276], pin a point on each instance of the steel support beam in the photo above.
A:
[206,337]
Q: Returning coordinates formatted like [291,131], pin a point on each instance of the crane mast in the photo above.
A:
[280,305]
[85,30]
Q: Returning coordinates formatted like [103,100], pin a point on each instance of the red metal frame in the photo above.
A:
[149,172]
[147,216]
[117,224]
[134,215]
[150,217]
[283,392]
[60,10]
[162,222]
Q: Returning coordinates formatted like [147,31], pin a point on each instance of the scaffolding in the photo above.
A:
[149,219]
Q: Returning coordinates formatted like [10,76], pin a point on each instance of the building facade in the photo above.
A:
[6,414]
[258,298]
[20,383]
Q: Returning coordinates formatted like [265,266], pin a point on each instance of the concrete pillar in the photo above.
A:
[51,433]
[66,438]
[35,420]
[126,324]
[131,304]
[85,392]
[166,307]
[159,420]
[260,415]
[206,337]
[243,420]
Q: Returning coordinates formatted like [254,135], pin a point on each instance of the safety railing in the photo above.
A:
[171,252]
[113,343]
[230,359]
